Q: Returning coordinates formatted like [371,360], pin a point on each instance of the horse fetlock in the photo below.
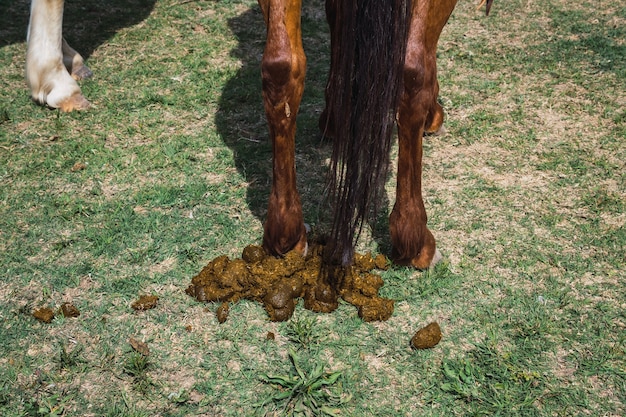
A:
[413,246]
[284,233]
[277,245]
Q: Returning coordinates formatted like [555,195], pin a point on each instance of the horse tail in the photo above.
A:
[369,44]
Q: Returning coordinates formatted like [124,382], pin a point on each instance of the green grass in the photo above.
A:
[306,392]
[526,194]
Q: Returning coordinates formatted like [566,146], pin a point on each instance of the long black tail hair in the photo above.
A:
[369,43]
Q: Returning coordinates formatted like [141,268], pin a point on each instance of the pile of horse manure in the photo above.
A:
[427,337]
[69,310]
[278,283]
[139,346]
[145,302]
[46,314]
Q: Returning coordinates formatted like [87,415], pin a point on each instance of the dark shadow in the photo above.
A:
[241,119]
[86,24]
[242,125]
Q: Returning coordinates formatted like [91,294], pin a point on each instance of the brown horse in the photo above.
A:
[383,72]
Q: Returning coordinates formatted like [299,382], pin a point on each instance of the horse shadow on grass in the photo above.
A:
[240,117]
[86,24]
[242,124]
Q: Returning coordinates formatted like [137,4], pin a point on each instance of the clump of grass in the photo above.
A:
[302,332]
[4,116]
[5,392]
[137,365]
[52,406]
[501,382]
[179,397]
[302,393]
[123,408]
[69,360]
[461,379]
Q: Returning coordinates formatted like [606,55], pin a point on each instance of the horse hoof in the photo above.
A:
[81,73]
[75,102]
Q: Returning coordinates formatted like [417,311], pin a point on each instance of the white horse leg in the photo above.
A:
[49,81]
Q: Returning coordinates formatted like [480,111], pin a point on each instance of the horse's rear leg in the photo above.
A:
[49,81]
[283,68]
[75,63]
[413,243]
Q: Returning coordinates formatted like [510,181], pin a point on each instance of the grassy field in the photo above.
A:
[526,193]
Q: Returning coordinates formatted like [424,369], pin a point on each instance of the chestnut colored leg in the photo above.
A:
[413,243]
[283,69]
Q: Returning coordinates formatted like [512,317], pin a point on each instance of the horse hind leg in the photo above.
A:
[74,63]
[413,244]
[283,69]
